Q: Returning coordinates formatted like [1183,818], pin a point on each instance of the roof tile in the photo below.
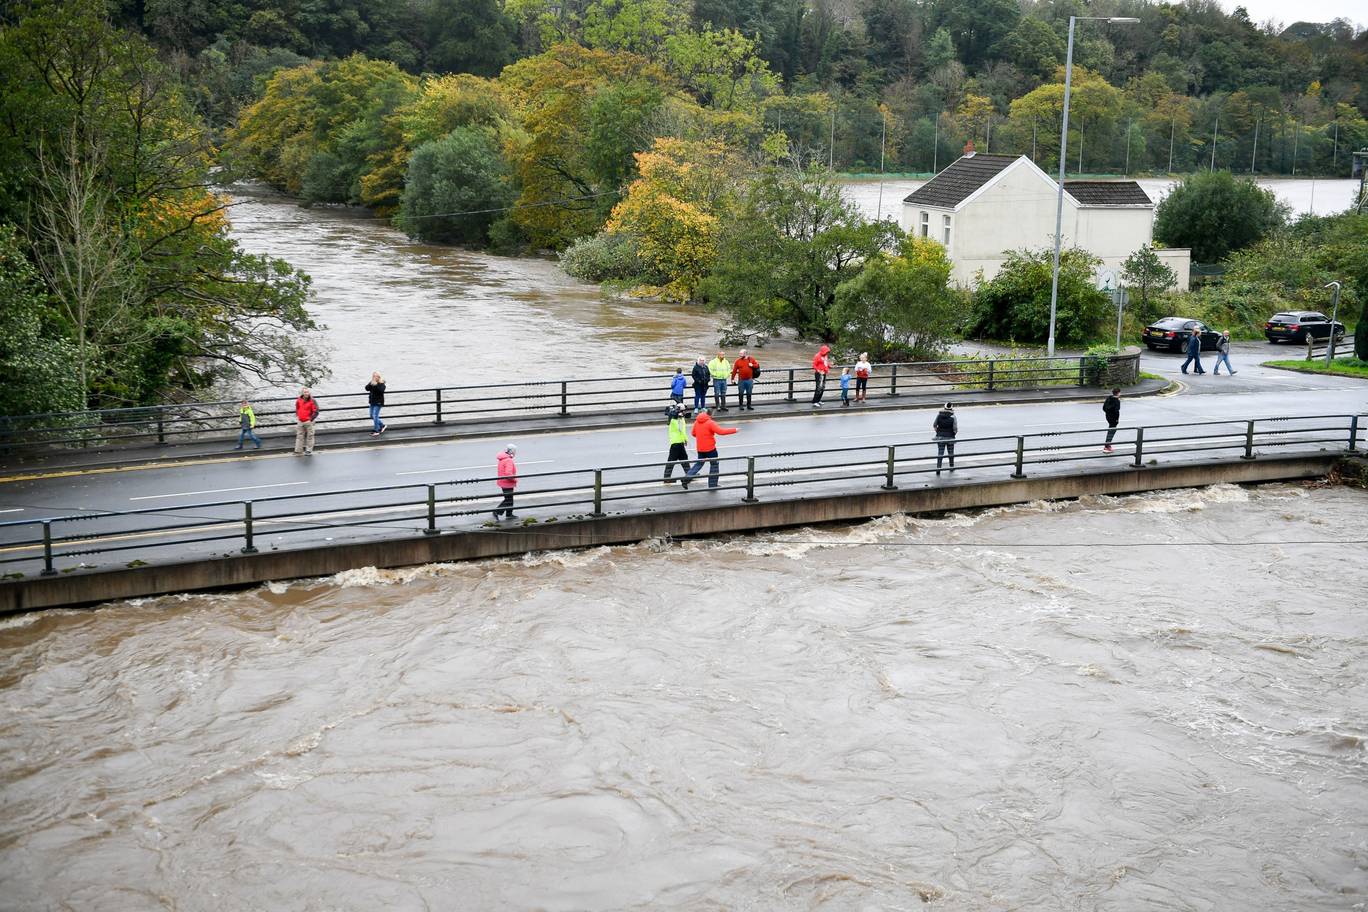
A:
[959,181]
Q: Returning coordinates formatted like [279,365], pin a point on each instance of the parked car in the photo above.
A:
[1172,333]
[1297,325]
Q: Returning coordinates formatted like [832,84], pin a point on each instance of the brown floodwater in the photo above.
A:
[427,315]
[1165,707]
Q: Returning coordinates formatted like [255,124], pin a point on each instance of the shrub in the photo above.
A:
[1015,303]
[603,257]
[456,188]
[1214,214]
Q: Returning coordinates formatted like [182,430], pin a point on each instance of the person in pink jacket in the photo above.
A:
[821,366]
[507,481]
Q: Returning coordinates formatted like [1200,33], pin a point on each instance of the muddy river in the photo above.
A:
[1154,702]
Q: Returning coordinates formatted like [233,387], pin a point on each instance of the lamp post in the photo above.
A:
[1063,150]
[1334,315]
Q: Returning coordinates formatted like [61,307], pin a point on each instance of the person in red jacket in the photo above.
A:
[507,480]
[705,431]
[744,369]
[821,366]
[306,413]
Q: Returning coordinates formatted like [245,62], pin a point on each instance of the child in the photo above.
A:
[845,386]
[677,386]
[247,417]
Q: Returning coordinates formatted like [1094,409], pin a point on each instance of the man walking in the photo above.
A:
[701,379]
[306,413]
[946,427]
[720,369]
[821,366]
[744,372]
[679,452]
[247,418]
[1111,408]
[1194,350]
[507,480]
[705,431]
[1223,354]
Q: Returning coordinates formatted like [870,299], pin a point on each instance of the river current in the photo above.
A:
[1151,702]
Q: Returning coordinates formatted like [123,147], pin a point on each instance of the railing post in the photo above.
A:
[247,546]
[1310,344]
[565,398]
[48,569]
[432,510]
[439,407]
[1353,434]
[1083,370]
[990,374]
[1249,441]
[893,388]
[1020,458]
[750,481]
[598,493]
[1139,447]
[161,426]
[888,484]
[790,392]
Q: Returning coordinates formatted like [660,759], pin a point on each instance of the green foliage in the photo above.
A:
[38,363]
[1216,213]
[900,306]
[456,188]
[606,257]
[1344,367]
[794,240]
[1015,303]
[1144,272]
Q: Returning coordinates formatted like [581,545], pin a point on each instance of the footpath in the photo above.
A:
[216,448]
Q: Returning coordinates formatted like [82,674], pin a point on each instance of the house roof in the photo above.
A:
[1107,193]
[960,180]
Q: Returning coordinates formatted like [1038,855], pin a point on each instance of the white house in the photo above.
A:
[983,206]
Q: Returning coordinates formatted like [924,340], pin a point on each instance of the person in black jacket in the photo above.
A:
[702,379]
[1111,408]
[376,393]
[946,427]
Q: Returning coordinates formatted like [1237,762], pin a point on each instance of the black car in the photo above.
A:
[1172,333]
[1297,325]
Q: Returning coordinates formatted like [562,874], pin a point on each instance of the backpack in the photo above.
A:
[945,424]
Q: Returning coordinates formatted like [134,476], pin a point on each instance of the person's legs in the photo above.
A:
[1111,433]
[1186,363]
[861,386]
[940,455]
[743,392]
[714,467]
[243,436]
[719,393]
[818,386]
[700,397]
[299,438]
[950,450]
[308,438]
[679,456]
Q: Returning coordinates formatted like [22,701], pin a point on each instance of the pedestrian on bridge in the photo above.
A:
[248,420]
[507,480]
[1111,409]
[705,432]
[720,369]
[375,391]
[744,372]
[679,438]
[821,366]
[701,380]
[1223,354]
[946,427]
[306,413]
[677,386]
[1194,350]
[862,371]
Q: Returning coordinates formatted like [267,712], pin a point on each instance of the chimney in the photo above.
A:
[969,149]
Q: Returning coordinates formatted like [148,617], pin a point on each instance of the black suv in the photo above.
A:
[1172,333]
[1297,325]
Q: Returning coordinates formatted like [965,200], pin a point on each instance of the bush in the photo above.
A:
[1015,304]
[1214,214]
[900,307]
[456,188]
[603,258]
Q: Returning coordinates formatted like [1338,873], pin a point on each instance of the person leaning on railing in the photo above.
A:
[946,427]
[720,369]
[701,379]
[744,371]
[306,413]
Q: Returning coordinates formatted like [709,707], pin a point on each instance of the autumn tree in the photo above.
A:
[900,305]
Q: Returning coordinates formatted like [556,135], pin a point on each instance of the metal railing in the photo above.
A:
[1340,347]
[436,406]
[358,514]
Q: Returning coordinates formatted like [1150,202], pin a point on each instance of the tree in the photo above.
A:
[793,241]
[1215,213]
[900,305]
[1143,270]
[1015,304]
[38,363]
[1034,47]
[456,188]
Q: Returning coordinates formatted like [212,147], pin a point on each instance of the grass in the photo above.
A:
[1340,367]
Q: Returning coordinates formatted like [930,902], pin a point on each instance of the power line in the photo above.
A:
[516,206]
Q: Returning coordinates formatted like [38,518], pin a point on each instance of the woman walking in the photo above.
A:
[376,391]
[946,427]
[1223,355]
[507,481]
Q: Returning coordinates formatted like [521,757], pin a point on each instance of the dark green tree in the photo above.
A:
[1215,213]
[1147,274]
[456,188]
[1015,304]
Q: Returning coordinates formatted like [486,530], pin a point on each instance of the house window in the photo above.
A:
[926,224]
[945,227]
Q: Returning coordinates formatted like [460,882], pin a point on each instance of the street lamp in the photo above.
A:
[1334,315]
[1063,150]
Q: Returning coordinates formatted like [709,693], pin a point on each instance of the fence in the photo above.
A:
[547,497]
[1339,347]
[545,398]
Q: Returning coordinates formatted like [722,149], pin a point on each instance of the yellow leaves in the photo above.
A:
[196,211]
